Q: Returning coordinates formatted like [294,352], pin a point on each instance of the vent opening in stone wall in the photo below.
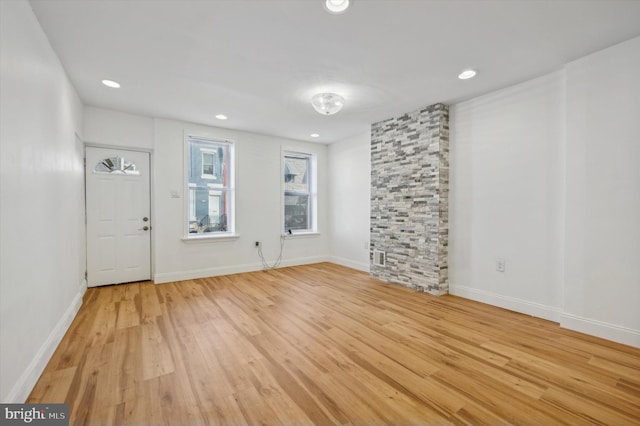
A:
[379,258]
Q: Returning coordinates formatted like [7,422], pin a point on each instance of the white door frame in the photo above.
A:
[151,200]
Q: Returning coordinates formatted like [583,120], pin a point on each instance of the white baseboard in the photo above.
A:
[23,387]
[165,277]
[349,263]
[513,304]
[616,333]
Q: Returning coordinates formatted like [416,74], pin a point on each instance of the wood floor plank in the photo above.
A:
[587,409]
[325,344]
[54,385]
[406,408]
[156,357]
[601,389]
[274,396]
[628,372]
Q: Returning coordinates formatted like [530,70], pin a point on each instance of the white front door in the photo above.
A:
[118,216]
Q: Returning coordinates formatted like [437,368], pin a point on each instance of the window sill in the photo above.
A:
[301,235]
[210,238]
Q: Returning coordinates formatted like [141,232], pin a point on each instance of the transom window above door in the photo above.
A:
[116,165]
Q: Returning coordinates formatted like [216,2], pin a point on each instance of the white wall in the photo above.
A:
[546,175]
[506,200]
[349,200]
[117,129]
[602,287]
[258,206]
[41,180]
[258,202]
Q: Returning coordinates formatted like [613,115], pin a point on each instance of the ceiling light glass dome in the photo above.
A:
[336,6]
[327,103]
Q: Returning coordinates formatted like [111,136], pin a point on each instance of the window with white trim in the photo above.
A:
[210,187]
[299,182]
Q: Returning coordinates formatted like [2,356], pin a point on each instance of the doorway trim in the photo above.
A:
[152,204]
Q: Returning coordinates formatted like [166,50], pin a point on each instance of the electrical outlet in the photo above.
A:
[500,265]
[257,243]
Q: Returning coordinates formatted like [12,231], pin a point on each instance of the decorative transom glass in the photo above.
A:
[116,165]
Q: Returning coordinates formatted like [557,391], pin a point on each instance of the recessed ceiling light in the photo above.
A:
[111,83]
[221,117]
[314,135]
[336,6]
[467,74]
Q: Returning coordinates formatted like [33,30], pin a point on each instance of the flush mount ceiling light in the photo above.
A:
[336,6]
[111,83]
[221,117]
[467,74]
[327,103]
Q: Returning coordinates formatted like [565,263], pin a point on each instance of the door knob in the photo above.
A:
[145,219]
[144,228]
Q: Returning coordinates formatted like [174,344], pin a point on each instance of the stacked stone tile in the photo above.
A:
[410,198]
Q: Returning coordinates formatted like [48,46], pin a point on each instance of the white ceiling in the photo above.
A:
[260,61]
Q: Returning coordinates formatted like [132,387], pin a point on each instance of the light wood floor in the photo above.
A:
[325,344]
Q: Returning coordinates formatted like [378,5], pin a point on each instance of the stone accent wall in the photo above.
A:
[410,198]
